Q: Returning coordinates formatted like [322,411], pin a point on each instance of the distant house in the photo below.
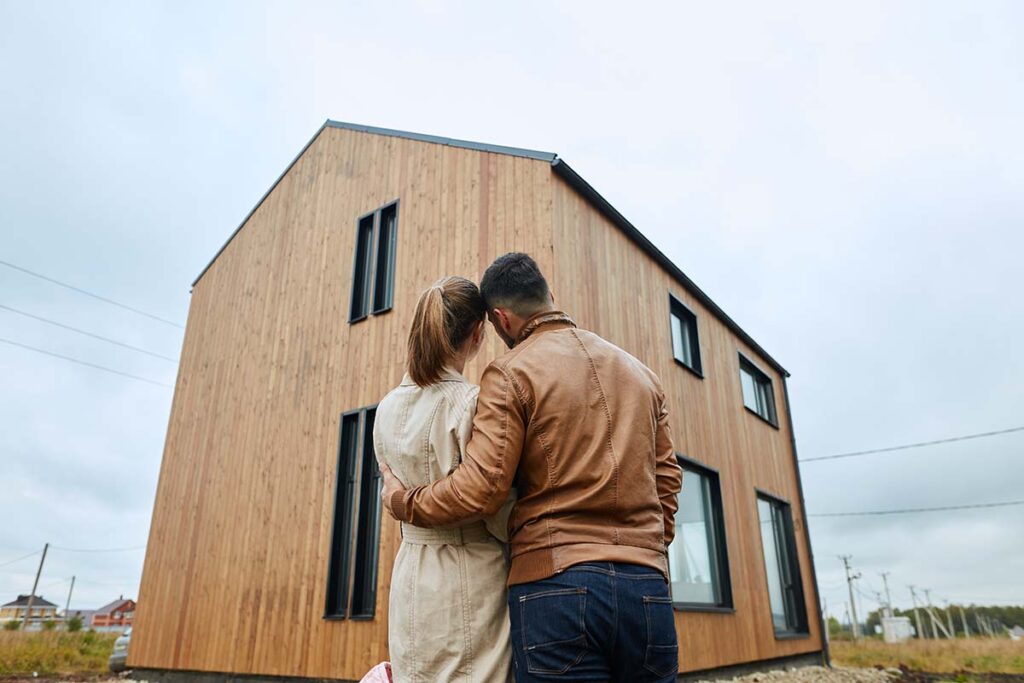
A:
[42,610]
[1016,633]
[84,614]
[114,615]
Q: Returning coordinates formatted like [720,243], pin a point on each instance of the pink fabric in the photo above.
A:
[378,674]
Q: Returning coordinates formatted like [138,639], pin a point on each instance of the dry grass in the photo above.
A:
[988,655]
[51,653]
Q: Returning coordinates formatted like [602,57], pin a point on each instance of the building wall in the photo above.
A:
[236,566]
[615,289]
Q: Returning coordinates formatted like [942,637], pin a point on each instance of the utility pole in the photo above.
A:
[917,617]
[67,605]
[937,624]
[35,584]
[849,585]
[888,597]
[949,618]
[963,618]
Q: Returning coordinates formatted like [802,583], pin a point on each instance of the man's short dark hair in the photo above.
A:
[515,282]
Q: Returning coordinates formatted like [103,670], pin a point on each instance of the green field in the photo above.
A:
[974,655]
[51,653]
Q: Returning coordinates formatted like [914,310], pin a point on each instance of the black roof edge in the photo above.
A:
[575,181]
[451,142]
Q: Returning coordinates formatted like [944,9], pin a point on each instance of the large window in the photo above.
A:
[685,344]
[758,395]
[355,538]
[698,561]
[373,273]
[785,590]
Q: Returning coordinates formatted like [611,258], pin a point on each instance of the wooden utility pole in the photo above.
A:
[917,617]
[67,605]
[963,618]
[888,597]
[849,585]
[35,584]
[937,624]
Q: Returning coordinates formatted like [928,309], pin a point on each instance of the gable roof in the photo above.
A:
[111,606]
[566,173]
[22,601]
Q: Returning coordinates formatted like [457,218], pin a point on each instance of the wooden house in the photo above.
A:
[268,554]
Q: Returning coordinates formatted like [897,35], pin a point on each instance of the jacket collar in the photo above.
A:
[546,319]
[447,375]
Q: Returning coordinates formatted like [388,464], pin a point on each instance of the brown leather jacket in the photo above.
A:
[580,427]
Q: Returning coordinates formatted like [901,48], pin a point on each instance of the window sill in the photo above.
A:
[353,321]
[791,636]
[680,363]
[697,607]
[760,416]
[334,617]
[382,311]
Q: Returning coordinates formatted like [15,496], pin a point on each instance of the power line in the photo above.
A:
[94,296]
[97,550]
[88,334]
[86,363]
[915,445]
[4,564]
[909,510]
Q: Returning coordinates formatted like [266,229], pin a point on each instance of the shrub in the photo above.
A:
[49,625]
[12,625]
[75,624]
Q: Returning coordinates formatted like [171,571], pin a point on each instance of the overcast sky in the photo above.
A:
[846,180]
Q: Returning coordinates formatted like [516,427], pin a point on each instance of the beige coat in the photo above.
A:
[448,619]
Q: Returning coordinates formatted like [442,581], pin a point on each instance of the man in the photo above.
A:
[580,427]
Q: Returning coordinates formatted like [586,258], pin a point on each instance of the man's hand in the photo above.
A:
[390,487]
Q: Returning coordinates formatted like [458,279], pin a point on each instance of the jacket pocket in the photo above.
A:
[554,633]
[661,656]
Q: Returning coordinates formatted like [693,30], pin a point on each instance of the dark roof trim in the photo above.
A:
[564,171]
[450,142]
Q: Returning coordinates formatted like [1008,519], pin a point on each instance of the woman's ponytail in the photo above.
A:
[444,318]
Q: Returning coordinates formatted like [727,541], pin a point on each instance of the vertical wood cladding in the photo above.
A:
[235,576]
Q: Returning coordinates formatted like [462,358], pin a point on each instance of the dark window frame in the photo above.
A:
[373,263]
[754,370]
[798,623]
[352,568]
[676,308]
[721,557]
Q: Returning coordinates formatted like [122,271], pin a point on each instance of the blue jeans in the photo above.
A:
[598,621]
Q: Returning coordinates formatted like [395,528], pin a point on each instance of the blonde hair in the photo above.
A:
[444,318]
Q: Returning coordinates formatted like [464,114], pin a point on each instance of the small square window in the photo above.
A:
[758,395]
[685,342]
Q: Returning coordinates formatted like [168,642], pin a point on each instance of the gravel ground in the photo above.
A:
[817,674]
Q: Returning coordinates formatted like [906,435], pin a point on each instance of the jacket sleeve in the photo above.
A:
[479,486]
[666,469]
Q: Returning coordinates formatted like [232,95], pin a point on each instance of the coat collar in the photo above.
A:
[447,375]
[547,318]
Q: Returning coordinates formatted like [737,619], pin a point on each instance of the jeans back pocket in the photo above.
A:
[661,656]
[554,632]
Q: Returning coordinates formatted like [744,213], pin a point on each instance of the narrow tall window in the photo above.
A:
[698,561]
[384,283]
[785,590]
[373,273]
[685,343]
[758,396]
[355,538]
[362,269]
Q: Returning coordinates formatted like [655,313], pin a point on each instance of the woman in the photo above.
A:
[448,619]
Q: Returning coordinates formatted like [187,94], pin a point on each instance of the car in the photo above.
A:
[118,660]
